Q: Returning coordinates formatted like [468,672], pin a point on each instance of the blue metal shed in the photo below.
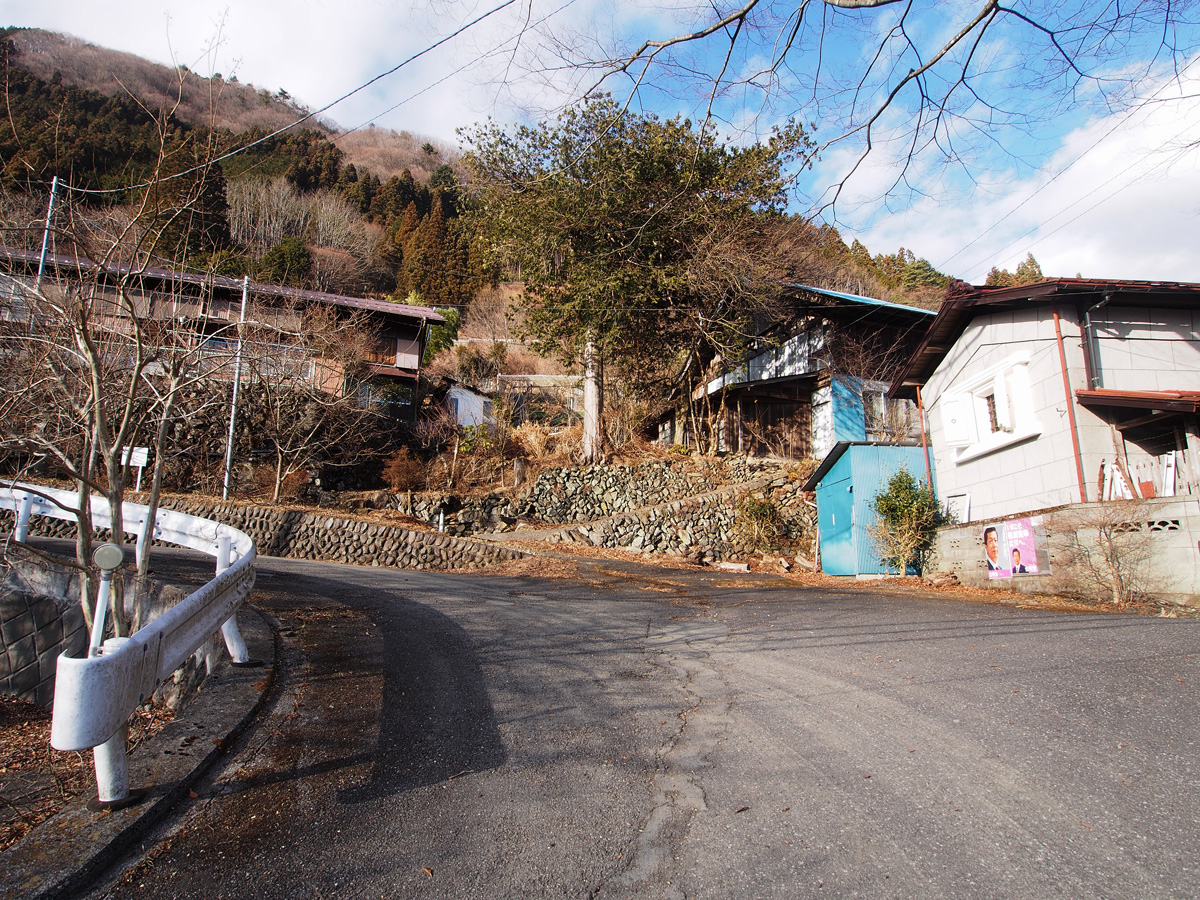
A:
[845,483]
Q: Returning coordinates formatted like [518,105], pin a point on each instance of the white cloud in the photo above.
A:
[1125,204]
[1136,225]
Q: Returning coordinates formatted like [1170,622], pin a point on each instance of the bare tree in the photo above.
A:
[1106,551]
[302,370]
[918,81]
[91,363]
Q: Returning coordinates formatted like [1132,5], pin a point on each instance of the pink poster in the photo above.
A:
[1009,549]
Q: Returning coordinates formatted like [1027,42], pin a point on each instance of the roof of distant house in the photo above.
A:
[879,311]
[196,279]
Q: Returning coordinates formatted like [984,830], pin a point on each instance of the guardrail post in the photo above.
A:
[22,532]
[112,764]
[234,642]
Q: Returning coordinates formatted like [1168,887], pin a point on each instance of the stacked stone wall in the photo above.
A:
[563,496]
[713,526]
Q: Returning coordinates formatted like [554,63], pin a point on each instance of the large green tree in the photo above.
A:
[638,239]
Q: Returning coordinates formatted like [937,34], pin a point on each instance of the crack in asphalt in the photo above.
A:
[678,789]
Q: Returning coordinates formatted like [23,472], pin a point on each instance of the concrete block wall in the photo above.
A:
[1170,525]
[34,630]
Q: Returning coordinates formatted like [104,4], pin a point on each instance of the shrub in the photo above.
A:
[760,524]
[1105,551]
[909,518]
[402,472]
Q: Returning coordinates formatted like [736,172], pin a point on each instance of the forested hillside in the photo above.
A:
[372,211]
[287,208]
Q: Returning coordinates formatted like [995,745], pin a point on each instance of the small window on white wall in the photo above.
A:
[990,411]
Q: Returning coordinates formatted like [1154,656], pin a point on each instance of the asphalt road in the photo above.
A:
[657,734]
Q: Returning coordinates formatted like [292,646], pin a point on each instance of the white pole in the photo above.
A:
[234,642]
[237,380]
[22,533]
[112,765]
[108,557]
[46,232]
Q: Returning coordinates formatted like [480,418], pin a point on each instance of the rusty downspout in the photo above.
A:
[1062,360]
[924,441]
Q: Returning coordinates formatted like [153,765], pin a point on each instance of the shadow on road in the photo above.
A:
[415,683]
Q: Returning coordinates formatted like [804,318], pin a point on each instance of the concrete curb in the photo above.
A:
[62,856]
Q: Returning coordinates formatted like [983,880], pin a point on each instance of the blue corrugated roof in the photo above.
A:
[855,298]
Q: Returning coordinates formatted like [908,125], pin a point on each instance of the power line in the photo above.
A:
[311,115]
[457,71]
[1165,162]
[1123,121]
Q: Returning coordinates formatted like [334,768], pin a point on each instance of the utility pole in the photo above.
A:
[237,381]
[46,232]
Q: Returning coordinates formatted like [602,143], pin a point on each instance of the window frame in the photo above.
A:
[991,411]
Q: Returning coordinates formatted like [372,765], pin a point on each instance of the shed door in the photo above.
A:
[835,518]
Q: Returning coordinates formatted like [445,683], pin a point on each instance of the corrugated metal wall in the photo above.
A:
[844,511]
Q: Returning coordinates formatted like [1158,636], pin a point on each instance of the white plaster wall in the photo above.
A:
[1035,473]
[470,407]
[1139,350]
[822,422]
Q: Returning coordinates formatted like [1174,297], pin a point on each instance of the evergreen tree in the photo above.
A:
[288,262]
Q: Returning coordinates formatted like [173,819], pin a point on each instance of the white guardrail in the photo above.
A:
[94,695]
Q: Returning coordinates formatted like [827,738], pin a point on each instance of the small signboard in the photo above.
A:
[1011,548]
[137,457]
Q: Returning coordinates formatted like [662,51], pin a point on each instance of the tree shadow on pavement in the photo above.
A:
[436,720]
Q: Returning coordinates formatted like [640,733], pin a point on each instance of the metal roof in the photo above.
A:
[225,283]
[855,298]
[862,308]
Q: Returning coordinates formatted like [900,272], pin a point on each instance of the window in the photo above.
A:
[991,411]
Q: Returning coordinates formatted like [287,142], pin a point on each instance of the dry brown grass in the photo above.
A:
[37,781]
[386,152]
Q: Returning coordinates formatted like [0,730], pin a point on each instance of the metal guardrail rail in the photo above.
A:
[94,695]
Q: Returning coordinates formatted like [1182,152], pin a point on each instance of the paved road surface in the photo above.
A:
[656,734]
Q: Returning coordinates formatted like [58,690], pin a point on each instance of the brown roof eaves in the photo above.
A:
[229,284]
[1167,401]
[956,313]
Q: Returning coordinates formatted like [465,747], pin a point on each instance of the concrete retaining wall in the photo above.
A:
[40,618]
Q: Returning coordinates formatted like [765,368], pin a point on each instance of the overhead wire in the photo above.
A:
[310,115]
[1124,120]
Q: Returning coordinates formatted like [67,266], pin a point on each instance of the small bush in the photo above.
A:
[760,524]
[402,472]
[909,517]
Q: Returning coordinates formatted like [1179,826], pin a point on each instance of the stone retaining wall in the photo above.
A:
[300,535]
[563,496]
[712,527]
[606,505]
[327,538]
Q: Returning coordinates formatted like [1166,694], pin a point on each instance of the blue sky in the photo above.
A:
[1087,187]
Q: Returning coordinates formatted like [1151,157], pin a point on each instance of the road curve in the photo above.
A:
[647,733]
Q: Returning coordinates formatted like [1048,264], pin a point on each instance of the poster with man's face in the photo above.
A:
[1010,549]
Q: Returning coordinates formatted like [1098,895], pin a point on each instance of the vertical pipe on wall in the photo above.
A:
[924,440]
[1062,360]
